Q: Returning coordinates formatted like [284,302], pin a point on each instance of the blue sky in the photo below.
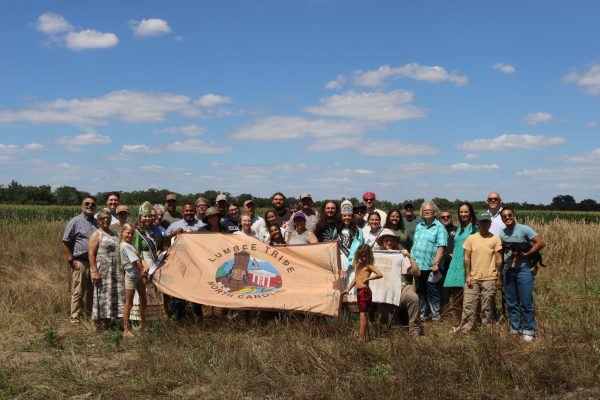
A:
[408,100]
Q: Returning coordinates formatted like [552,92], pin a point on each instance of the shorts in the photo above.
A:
[131,282]
[365,298]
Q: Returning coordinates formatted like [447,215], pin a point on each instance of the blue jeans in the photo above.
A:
[518,294]
[429,296]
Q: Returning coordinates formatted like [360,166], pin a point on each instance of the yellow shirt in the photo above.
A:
[483,255]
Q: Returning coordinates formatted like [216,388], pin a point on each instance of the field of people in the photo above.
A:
[43,356]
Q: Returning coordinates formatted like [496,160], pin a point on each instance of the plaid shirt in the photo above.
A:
[426,242]
[78,232]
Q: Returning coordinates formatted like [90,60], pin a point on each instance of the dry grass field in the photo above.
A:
[43,356]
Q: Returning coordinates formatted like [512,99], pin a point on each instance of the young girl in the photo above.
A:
[136,277]
[364,270]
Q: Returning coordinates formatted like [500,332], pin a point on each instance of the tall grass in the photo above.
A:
[43,356]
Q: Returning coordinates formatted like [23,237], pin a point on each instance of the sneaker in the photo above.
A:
[528,338]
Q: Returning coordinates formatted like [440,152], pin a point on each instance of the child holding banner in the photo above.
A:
[364,270]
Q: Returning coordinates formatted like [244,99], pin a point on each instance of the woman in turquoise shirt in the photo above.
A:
[455,277]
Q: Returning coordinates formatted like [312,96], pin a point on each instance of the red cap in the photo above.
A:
[368,195]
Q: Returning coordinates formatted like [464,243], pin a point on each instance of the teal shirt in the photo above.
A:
[426,242]
[455,277]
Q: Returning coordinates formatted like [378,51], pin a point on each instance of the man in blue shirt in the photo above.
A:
[519,274]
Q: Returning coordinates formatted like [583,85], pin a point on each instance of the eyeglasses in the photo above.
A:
[444,216]
[89,204]
[507,216]
[103,218]
[369,200]
[493,198]
[202,206]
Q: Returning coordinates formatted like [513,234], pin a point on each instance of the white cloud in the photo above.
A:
[466,167]
[591,157]
[338,83]
[287,128]
[569,175]
[593,124]
[432,74]
[90,39]
[125,105]
[189,130]
[83,140]
[150,27]
[505,68]
[51,23]
[471,156]
[5,159]
[588,81]
[211,100]
[511,142]
[153,168]
[61,32]
[370,106]
[536,118]
[197,146]
[186,146]
[395,148]
[13,148]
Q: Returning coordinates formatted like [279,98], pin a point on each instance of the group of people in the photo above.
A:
[109,255]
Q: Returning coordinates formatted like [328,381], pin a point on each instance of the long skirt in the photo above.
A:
[155,310]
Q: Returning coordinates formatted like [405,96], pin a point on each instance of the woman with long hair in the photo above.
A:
[269,219]
[455,277]
[136,277]
[395,222]
[372,230]
[148,243]
[350,238]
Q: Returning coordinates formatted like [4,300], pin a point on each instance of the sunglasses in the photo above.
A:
[493,198]
[445,217]
[103,218]
[369,200]
[89,204]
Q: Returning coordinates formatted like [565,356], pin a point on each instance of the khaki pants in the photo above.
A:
[478,293]
[409,301]
[81,287]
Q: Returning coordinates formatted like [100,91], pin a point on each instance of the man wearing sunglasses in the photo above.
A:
[75,247]
[369,201]
[495,210]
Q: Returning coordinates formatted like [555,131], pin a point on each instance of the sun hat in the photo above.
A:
[386,232]
[211,211]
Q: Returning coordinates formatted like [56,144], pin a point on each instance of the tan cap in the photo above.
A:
[122,208]
[305,196]
[171,196]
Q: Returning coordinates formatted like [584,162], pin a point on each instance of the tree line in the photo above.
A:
[16,193]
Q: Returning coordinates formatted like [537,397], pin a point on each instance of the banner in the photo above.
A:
[392,265]
[237,271]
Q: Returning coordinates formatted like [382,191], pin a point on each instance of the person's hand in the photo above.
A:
[344,273]
[96,277]
[499,283]
[404,252]
[74,266]
[435,268]
[468,280]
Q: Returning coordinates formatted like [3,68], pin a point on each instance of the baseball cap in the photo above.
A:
[221,197]
[249,201]
[122,208]
[171,196]
[484,216]
[408,204]
[299,215]
[368,195]
[305,196]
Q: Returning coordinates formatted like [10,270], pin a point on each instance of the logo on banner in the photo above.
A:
[247,275]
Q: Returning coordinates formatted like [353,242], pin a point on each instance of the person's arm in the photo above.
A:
[437,259]
[92,253]
[467,257]
[373,270]
[68,254]
[414,267]
[350,286]
[499,264]
[538,244]
[312,238]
